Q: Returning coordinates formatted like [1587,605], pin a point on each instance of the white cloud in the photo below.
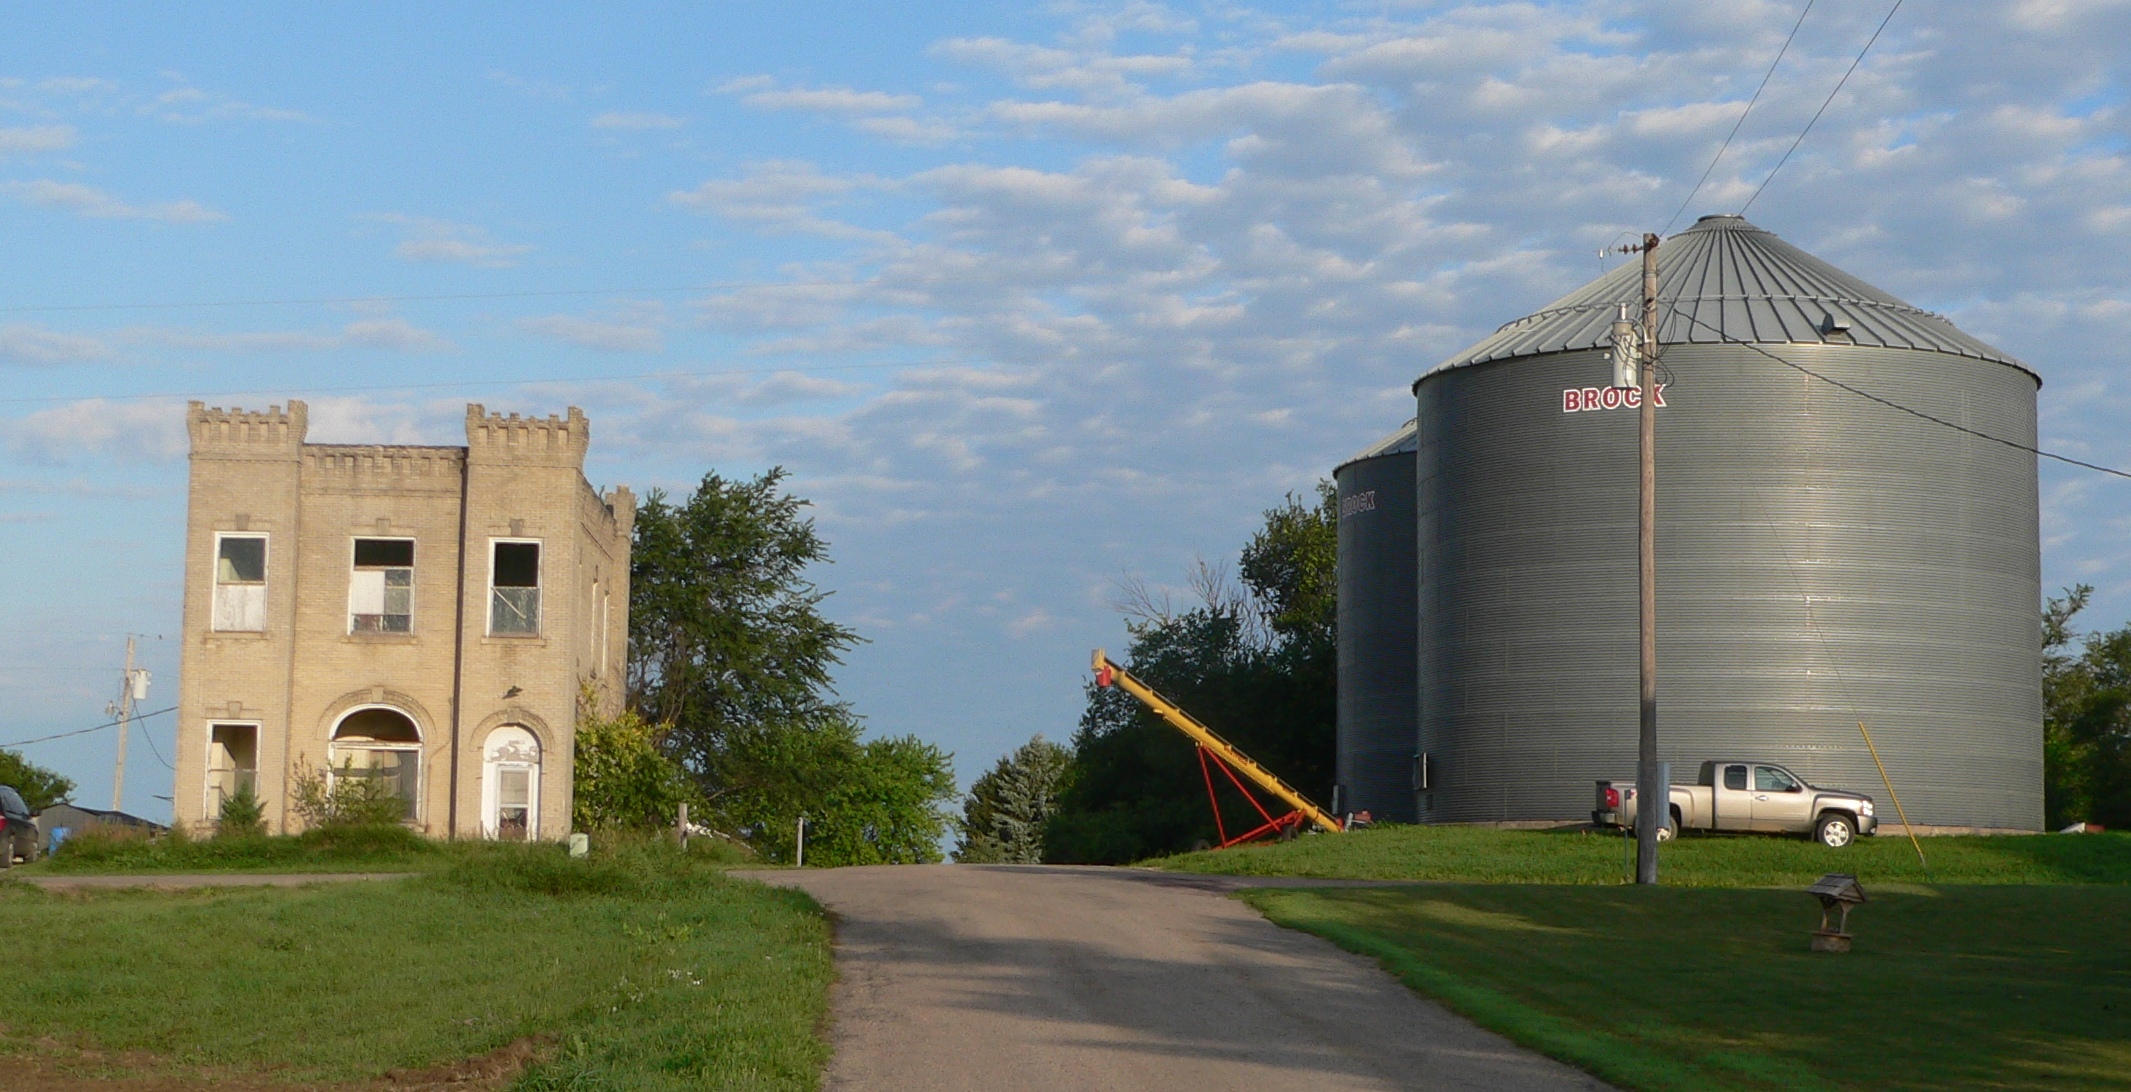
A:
[443,241]
[37,138]
[383,332]
[833,100]
[604,335]
[24,344]
[96,428]
[613,119]
[94,203]
[188,105]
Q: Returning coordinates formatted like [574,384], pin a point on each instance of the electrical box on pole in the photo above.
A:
[1627,351]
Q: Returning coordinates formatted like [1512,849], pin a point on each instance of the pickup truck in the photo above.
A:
[1757,796]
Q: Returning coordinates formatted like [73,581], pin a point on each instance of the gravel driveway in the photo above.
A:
[1020,977]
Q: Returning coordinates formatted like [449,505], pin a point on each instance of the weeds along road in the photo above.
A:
[1040,978]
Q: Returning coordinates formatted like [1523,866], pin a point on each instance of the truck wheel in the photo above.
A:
[1835,830]
[1667,829]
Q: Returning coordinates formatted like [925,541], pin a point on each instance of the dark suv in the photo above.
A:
[18,836]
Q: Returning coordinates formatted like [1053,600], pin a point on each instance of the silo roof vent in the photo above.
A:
[1725,280]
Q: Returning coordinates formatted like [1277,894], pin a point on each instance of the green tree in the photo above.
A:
[1006,811]
[730,656]
[880,801]
[623,779]
[1256,664]
[40,788]
[2086,692]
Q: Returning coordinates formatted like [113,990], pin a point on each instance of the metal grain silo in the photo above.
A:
[1823,558]
[1377,727]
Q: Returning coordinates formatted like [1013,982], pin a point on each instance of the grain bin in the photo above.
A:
[1377,715]
[1823,557]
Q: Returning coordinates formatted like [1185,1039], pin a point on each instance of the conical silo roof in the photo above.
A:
[1725,280]
[1406,438]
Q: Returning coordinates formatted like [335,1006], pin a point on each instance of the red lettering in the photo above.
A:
[1632,398]
[1571,400]
[1590,399]
[1609,398]
[1658,396]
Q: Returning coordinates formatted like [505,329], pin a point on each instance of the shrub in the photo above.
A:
[242,815]
[348,799]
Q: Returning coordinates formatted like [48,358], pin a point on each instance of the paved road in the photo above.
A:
[1002,977]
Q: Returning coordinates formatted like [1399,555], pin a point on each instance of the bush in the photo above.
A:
[349,799]
[242,815]
[623,779]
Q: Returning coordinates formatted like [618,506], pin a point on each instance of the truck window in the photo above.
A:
[1771,779]
[1735,778]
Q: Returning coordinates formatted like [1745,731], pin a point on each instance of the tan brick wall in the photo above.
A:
[517,478]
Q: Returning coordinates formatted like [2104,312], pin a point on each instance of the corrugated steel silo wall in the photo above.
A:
[1377,716]
[1822,559]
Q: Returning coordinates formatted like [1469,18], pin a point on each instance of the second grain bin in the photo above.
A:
[1824,557]
[1377,715]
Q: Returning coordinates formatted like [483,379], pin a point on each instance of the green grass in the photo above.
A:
[1977,986]
[645,969]
[1459,854]
[328,849]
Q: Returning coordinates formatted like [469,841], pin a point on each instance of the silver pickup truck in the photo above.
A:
[1747,796]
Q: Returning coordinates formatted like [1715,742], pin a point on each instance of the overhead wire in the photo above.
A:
[86,731]
[356,387]
[446,296]
[1894,405]
[1765,77]
[1823,108]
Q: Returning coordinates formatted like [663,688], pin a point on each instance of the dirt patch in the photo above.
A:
[52,1067]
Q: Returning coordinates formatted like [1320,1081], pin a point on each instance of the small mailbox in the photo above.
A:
[1837,892]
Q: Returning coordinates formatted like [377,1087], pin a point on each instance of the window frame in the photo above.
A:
[418,806]
[414,552]
[540,577]
[215,584]
[210,808]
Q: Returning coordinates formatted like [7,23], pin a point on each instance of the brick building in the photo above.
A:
[421,615]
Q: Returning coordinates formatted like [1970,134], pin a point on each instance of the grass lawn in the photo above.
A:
[640,969]
[1487,855]
[1975,986]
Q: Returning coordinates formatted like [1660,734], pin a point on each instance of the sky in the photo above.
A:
[1031,300]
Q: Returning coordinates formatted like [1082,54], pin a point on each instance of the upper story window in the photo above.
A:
[381,587]
[240,583]
[514,587]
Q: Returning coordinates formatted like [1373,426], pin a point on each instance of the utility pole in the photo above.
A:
[1655,805]
[133,689]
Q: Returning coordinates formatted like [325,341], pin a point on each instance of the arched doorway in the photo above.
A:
[510,785]
[383,744]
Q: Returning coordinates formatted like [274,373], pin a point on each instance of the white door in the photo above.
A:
[510,785]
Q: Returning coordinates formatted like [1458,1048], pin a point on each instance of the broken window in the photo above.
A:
[381,589]
[384,746]
[240,583]
[514,588]
[232,763]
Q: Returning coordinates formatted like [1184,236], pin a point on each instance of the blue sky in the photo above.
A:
[1030,299]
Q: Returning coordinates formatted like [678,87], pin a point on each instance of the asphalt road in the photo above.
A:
[1003,977]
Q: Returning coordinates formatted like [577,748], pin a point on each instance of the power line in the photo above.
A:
[1823,108]
[1891,404]
[86,731]
[1765,77]
[509,382]
[713,287]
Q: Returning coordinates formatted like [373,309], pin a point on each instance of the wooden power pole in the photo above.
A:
[1655,805]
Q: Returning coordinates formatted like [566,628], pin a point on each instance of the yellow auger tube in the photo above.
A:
[1222,749]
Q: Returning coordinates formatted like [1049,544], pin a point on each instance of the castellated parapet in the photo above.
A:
[552,441]
[276,428]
